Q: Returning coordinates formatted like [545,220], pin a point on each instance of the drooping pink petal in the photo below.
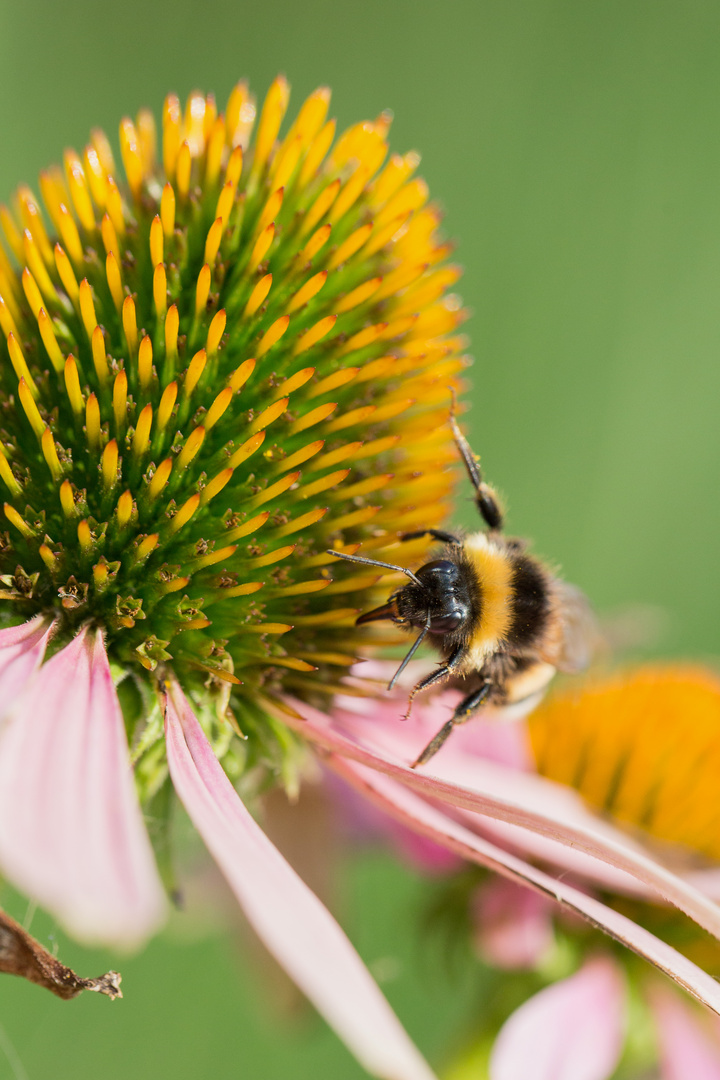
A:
[572,1030]
[416,813]
[513,925]
[71,830]
[527,800]
[287,916]
[689,1049]
[21,652]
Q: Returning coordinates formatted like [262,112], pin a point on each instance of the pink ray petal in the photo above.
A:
[533,803]
[71,829]
[572,1030]
[688,1050]
[513,925]
[418,814]
[21,652]
[287,916]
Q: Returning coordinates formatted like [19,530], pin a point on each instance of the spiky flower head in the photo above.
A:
[214,369]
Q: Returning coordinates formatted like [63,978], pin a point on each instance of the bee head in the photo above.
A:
[436,601]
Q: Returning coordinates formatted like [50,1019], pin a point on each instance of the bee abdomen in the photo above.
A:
[530,604]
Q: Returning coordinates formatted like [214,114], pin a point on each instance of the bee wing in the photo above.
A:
[580,634]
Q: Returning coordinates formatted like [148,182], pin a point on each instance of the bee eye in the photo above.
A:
[443,624]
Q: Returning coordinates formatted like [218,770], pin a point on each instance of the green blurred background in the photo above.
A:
[576,149]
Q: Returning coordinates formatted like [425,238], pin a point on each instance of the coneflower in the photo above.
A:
[215,368]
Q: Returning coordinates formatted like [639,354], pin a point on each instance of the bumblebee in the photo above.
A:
[501,619]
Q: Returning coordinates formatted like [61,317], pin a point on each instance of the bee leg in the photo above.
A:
[462,713]
[436,676]
[485,498]
[437,534]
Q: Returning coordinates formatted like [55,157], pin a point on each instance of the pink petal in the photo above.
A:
[572,1030]
[521,799]
[418,814]
[286,915]
[21,652]
[687,1049]
[513,925]
[71,829]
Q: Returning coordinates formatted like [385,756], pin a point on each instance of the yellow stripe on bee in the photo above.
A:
[494,572]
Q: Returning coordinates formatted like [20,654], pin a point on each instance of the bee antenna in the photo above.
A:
[410,653]
[373,562]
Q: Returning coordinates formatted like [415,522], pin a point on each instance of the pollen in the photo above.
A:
[217,365]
